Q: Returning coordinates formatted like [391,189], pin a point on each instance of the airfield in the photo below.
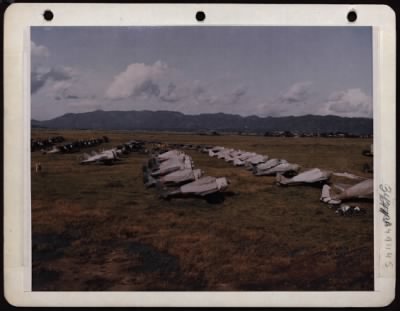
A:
[98,228]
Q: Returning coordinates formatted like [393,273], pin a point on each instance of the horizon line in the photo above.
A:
[198,114]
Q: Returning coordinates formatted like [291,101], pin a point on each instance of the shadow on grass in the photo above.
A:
[49,246]
[212,198]
[219,197]
[162,265]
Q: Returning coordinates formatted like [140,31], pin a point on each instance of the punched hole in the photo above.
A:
[200,16]
[352,16]
[48,15]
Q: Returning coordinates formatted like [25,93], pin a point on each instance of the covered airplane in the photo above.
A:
[201,187]
[213,152]
[175,168]
[253,161]
[283,168]
[246,155]
[268,165]
[337,193]
[237,157]
[311,176]
[174,178]
[172,165]
[238,162]
[104,157]
[169,155]
[131,146]
[54,149]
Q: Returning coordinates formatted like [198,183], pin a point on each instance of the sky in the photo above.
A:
[263,71]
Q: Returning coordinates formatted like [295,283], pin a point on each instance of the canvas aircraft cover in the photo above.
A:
[203,186]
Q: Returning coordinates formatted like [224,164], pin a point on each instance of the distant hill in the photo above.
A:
[176,121]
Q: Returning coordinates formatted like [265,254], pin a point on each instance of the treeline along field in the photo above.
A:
[97,227]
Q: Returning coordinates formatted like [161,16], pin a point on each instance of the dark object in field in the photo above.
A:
[131,146]
[349,210]
[281,134]
[368,168]
[76,146]
[38,144]
[370,152]
[367,153]
[106,139]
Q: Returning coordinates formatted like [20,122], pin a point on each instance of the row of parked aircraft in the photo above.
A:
[173,174]
[38,144]
[112,155]
[289,174]
[75,146]
[259,164]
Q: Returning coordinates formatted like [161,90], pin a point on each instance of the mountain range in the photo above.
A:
[176,121]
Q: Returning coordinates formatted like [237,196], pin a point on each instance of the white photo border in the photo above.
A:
[17,208]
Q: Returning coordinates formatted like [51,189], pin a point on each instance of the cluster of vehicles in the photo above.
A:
[108,157]
[42,144]
[289,174]
[173,174]
[259,164]
[75,146]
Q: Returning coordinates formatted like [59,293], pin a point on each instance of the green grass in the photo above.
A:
[264,237]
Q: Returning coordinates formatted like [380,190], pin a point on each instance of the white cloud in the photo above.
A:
[298,92]
[161,87]
[298,99]
[349,103]
[39,50]
[137,79]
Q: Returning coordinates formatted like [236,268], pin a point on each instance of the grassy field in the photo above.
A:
[98,228]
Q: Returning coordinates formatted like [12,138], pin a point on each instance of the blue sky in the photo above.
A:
[264,71]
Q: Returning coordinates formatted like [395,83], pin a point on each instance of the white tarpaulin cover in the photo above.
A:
[238,162]
[204,185]
[181,176]
[173,165]
[310,176]
[361,190]
[258,158]
[169,155]
[279,169]
[270,164]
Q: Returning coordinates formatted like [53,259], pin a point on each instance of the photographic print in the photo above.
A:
[202,158]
